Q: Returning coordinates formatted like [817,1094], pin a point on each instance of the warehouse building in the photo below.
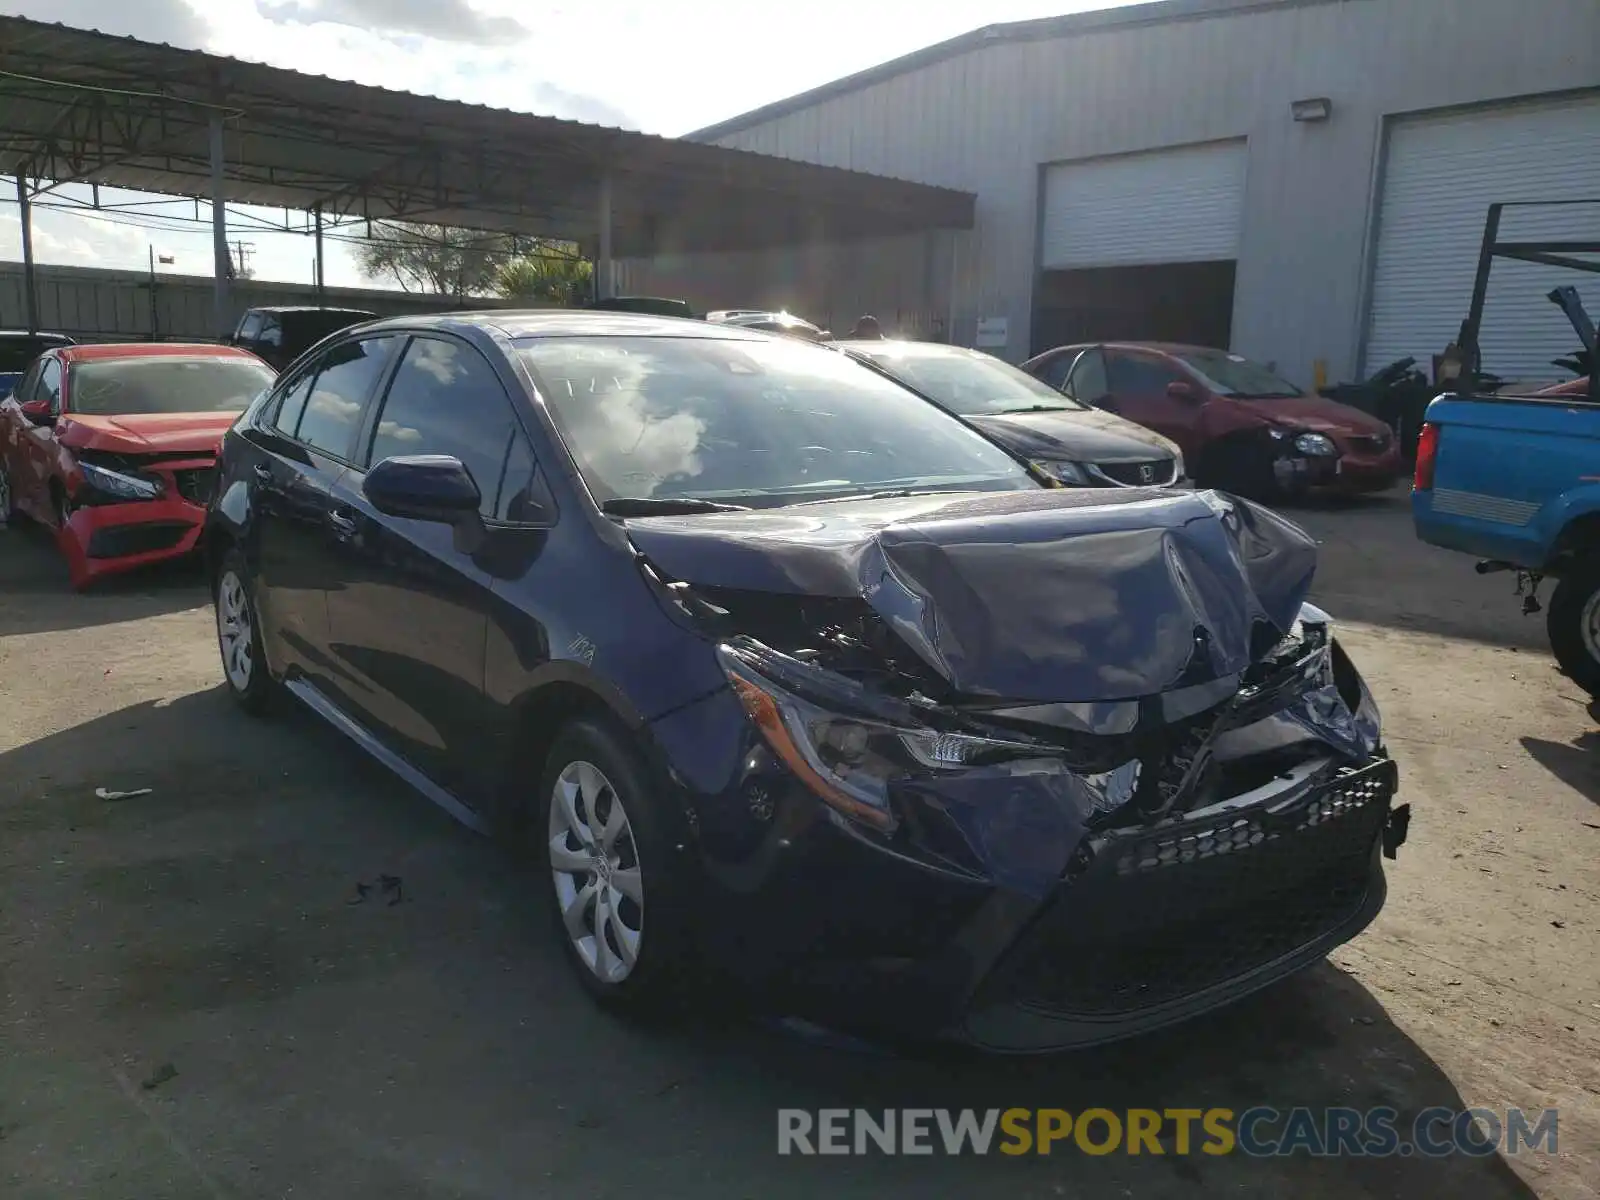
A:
[1305,181]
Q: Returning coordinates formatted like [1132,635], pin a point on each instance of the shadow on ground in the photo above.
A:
[323,1040]
[1575,763]
[32,570]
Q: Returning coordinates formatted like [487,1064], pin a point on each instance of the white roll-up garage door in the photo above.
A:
[1162,206]
[1441,173]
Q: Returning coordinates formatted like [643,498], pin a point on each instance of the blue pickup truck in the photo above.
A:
[1515,479]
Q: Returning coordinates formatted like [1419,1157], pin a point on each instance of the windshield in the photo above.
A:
[1229,375]
[966,381]
[757,423]
[166,384]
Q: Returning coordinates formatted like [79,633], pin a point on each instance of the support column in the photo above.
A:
[222,263]
[321,297]
[602,266]
[30,294]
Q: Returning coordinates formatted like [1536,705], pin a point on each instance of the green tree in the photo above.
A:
[553,272]
[440,259]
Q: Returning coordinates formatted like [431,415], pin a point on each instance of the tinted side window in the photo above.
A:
[271,333]
[1054,371]
[293,403]
[346,375]
[446,399]
[521,496]
[1139,373]
[50,384]
[250,327]
[27,384]
[1088,379]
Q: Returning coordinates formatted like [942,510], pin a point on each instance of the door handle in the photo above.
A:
[262,472]
[342,523]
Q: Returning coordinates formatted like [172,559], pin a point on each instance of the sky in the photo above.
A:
[666,68]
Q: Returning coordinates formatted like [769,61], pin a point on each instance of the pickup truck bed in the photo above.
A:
[1515,481]
[1510,475]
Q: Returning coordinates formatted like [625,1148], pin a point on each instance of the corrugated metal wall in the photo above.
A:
[987,121]
[95,304]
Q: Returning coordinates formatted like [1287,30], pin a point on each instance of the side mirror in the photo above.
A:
[423,487]
[1180,389]
[38,411]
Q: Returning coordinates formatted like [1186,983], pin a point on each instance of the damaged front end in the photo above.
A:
[1140,853]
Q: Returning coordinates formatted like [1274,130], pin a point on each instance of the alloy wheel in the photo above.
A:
[595,865]
[235,634]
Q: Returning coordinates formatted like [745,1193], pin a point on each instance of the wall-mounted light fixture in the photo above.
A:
[1318,108]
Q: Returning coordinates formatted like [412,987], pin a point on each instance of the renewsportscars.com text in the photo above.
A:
[1258,1132]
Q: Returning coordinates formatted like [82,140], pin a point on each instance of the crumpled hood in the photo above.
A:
[1090,436]
[1318,414]
[1039,595]
[146,433]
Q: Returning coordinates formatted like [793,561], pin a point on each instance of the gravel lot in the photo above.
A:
[192,1008]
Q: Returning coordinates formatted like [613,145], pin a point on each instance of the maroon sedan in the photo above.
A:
[1239,425]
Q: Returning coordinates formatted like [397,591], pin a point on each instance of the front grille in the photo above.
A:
[1156,915]
[1375,443]
[1155,473]
[195,484]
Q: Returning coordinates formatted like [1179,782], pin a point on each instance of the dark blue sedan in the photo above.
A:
[799,687]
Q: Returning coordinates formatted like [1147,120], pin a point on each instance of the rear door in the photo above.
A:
[1138,382]
[308,439]
[410,621]
[39,450]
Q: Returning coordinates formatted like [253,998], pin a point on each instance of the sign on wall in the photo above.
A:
[993,332]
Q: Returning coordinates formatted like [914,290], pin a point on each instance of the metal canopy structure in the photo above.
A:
[85,107]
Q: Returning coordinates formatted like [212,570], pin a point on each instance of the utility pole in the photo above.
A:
[242,253]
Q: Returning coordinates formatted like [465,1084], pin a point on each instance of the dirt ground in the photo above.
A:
[193,1008]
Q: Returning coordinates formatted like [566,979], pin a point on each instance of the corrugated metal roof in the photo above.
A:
[78,105]
[1042,29]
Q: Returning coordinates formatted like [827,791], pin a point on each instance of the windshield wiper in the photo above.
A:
[1031,409]
[659,506]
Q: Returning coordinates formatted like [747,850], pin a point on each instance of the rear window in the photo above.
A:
[167,384]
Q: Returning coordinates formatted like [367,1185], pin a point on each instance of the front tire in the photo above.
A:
[1573,622]
[244,666]
[620,910]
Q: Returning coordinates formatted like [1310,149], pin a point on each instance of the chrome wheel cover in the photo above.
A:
[234,631]
[594,862]
[1589,625]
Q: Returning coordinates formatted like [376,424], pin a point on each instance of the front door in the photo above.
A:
[1138,381]
[298,456]
[40,450]
[410,620]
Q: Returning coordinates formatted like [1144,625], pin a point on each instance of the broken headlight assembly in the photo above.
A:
[851,760]
[111,481]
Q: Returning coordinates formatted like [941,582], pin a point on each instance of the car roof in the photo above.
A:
[309,308]
[564,322]
[113,350]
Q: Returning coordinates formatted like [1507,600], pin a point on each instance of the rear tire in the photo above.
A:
[601,839]
[244,666]
[1573,623]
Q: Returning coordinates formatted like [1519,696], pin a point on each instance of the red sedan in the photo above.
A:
[113,447]
[1240,426]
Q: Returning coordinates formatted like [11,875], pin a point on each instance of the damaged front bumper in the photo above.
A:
[994,894]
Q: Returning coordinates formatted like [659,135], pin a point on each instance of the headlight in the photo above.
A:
[850,762]
[1061,471]
[118,485]
[1315,444]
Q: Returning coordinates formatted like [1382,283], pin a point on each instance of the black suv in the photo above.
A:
[281,335]
[794,683]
